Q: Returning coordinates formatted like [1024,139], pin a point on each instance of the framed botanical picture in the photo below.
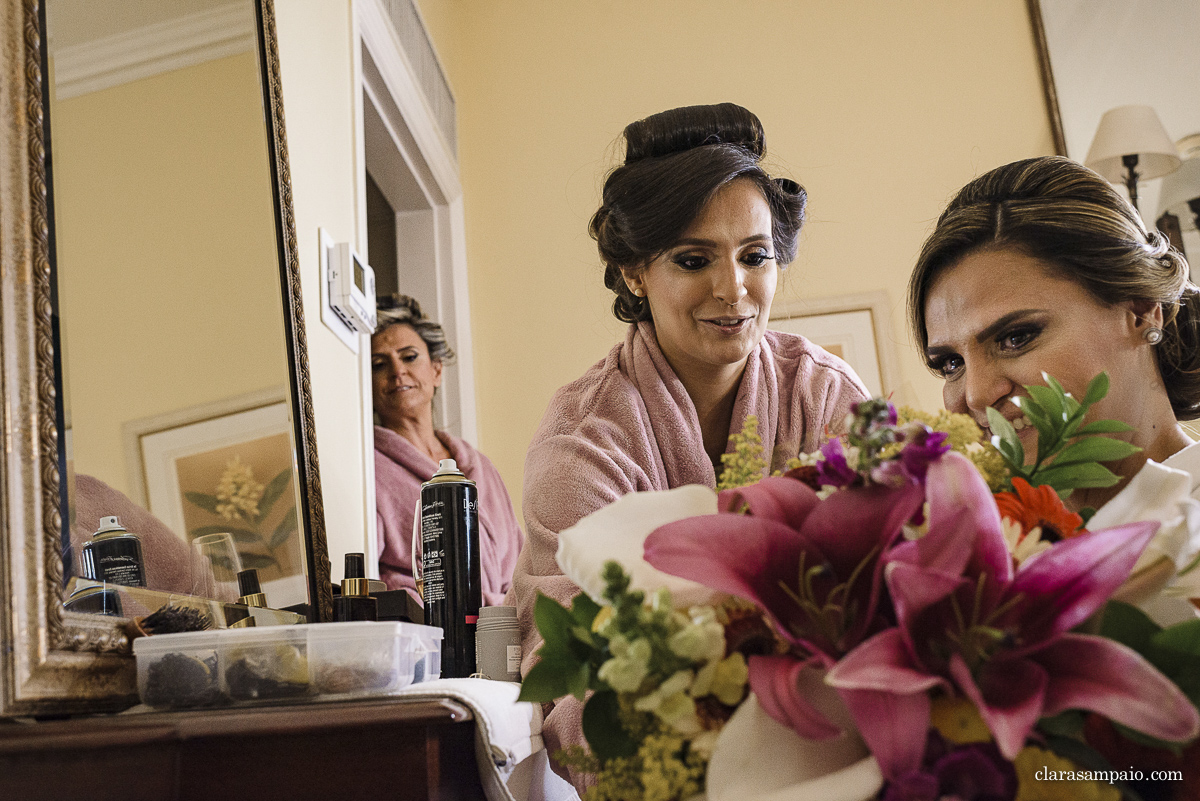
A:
[225,472]
[855,328]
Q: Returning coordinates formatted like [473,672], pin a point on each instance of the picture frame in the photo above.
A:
[856,328]
[226,468]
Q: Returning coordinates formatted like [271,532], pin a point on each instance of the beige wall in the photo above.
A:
[167,262]
[882,110]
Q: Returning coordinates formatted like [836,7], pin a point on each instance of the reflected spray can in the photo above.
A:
[452,579]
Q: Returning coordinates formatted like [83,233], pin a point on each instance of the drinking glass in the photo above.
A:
[215,565]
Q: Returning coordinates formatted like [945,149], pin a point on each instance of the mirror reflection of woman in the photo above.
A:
[408,352]
[693,234]
[1041,266]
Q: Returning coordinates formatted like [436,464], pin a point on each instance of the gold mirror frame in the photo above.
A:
[53,661]
[1050,91]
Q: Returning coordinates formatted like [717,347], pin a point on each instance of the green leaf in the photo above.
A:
[1005,438]
[1035,413]
[284,531]
[244,535]
[603,730]
[205,501]
[1051,402]
[1177,648]
[258,561]
[1094,449]
[1104,427]
[548,679]
[1052,382]
[274,489]
[1074,476]
[584,610]
[1096,390]
[554,622]
[1129,626]
[1064,724]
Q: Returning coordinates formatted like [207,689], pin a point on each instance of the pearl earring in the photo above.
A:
[1153,335]
[638,292]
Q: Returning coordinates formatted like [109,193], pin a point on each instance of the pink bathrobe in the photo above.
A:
[400,469]
[628,425]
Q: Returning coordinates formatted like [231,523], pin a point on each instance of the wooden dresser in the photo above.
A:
[378,749]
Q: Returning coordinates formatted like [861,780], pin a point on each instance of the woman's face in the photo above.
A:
[998,318]
[710,294]
[403,377]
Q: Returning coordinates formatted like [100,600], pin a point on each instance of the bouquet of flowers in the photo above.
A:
[877,622]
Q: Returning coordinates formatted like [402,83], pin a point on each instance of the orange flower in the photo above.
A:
[1034,507]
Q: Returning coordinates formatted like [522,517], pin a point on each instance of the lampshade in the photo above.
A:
[1184,184]
[1127,131]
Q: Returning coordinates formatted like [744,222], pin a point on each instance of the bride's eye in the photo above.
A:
[946,366]
[756,258]
[691,262]
[1017,339]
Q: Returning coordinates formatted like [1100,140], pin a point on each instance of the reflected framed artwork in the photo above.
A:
[855,328]
[227,470]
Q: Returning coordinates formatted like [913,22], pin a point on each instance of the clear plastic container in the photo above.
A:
[360,658]
[179,671]
[427,649]
[265,664]
[280,664]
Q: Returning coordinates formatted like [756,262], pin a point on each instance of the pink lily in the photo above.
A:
[812,565]
[968,623]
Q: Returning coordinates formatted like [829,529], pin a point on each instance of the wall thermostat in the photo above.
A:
[352,288]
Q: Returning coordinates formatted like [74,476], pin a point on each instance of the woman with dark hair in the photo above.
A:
[1041,267]
[692,232]
[408,351]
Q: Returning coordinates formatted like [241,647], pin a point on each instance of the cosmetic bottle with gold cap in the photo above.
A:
[249,594]
[355,603]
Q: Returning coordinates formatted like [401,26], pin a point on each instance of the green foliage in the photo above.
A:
[1174,650]
[255,548]
[1069,453]
[745,464]
[603,728]
[570,653]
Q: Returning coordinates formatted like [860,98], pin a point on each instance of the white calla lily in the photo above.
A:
[618,531]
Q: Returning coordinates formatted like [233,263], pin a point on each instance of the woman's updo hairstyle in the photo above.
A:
[674,162]
[397,309]
[1057,210]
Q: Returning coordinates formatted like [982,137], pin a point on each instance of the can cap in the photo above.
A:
[448,467]
[110,527]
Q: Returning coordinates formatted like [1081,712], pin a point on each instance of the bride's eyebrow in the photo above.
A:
[992,330]
[1004,322]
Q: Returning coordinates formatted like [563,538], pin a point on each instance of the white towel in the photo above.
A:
[508,741]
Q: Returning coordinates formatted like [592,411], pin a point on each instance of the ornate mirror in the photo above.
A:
[152,338]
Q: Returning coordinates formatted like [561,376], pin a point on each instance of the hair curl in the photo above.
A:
[398,309]
[674,162]
[1059,211]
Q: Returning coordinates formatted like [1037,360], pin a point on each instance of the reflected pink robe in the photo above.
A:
[628,425]
[400,469]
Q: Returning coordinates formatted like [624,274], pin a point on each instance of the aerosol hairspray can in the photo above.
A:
[452,580]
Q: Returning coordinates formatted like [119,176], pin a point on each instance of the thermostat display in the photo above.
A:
[352,288]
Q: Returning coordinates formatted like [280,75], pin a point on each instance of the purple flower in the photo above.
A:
[812,565]
[833,470]
[975,772]
[969,624]
[920,449]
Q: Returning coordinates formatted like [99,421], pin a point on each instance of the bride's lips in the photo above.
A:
[733,324]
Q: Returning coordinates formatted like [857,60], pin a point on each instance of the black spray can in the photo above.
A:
[452,580]
[113,555]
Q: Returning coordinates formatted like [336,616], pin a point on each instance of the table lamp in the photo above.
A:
[1131,144]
